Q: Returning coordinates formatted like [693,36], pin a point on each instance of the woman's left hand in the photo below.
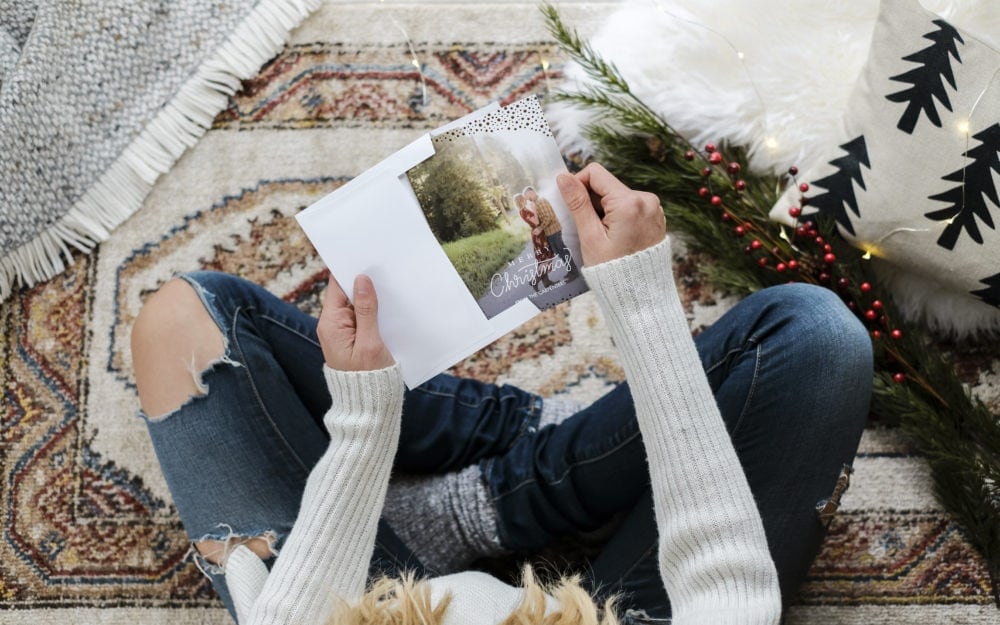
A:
[349,334]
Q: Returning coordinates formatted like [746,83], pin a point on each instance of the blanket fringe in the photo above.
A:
[121,190]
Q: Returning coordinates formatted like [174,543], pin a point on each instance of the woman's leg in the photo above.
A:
[234,433]
[231,380]
[791,371]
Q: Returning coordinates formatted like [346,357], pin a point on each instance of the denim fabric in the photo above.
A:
[791,369]
[236,459]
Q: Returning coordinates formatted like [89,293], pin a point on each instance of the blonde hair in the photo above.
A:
[407,601]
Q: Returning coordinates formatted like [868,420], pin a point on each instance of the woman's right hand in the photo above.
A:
[628,221]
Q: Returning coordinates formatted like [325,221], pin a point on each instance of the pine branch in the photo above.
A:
[721,208]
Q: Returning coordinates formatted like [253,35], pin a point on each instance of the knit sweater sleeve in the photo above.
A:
[326,555]
[713,553]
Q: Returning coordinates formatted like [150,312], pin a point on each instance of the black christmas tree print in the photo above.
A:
[926,78]
[990,295]
[975,192]
[840,184]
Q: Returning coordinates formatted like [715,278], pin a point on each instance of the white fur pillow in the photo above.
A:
[916,177]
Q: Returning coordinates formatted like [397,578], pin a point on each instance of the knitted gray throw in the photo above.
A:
[99,97]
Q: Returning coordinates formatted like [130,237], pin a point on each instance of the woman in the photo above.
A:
[717,454]
[539,242]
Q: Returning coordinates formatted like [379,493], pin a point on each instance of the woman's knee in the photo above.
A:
[822,326]
[830,354]
[173,340]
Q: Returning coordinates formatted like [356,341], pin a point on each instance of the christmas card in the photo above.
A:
[463,232]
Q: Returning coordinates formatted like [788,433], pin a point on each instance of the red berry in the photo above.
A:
[852,305]
[755,244]
[741,185]
[747,250]
[801,231]
[829,259]
[726,216]
[795,211]
[896,334]
[819,240]
[870,315]
[715,158]
[734,168]
[793,264]
[706,171]
[703,192]
[804,187]
[877,304]
[877,334]
[710,147]
[762,261]
[843,283]
[689,155]
[827,248]
[716,200]
[865,287]
[776,250]
[740,231]
[781,267]
[899,377]
[793,170]
[824,277]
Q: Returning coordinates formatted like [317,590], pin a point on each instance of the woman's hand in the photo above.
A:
[626,222]
[349,334]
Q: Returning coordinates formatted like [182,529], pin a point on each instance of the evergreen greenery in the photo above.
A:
[452,193]
[914,386]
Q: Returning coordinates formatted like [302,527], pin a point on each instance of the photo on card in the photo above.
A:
[489,195]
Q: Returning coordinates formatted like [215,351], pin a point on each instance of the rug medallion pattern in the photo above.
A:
[80,530]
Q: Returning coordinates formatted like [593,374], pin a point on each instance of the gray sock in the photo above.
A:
[557,409]
[448,520]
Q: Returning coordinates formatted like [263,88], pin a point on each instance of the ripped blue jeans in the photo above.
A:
[790,368]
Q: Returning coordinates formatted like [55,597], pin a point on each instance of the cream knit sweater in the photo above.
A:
[714,558]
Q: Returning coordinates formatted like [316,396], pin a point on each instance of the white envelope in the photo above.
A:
[374,225]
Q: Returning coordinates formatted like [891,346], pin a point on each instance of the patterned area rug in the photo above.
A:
[89,532]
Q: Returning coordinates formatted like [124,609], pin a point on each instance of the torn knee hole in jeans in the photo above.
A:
[827,508]
[211,551]
[198,377]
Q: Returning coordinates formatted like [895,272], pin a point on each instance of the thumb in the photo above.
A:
[577,198]
[365,310]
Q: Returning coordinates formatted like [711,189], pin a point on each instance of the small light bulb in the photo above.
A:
[867,255]
[963,127]
[771,142]
[545,65]
[740,55]
[415,63]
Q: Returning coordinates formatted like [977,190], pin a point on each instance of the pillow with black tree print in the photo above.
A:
[915,179]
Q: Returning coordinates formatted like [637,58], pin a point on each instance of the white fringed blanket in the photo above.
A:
[98,98]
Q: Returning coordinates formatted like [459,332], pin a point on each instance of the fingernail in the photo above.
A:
[565,182]
[362,285]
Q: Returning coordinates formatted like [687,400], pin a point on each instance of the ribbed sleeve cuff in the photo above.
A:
[326,555]
[245,577]
[359,396]
[636,281]
[714,556]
